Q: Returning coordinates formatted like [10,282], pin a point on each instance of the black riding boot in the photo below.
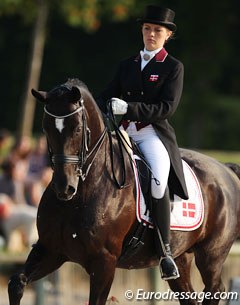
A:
[161,219]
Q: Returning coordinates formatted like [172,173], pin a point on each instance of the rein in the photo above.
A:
[81,159]
[120,139]
[122,144]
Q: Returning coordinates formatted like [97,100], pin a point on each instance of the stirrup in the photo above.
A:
[168,268]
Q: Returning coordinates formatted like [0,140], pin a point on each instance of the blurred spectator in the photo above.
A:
[15,213]
[36,187]
[38,158]
[13,178]
[39,172]
[24,177]
[21,218]
[22,148]
[5,143]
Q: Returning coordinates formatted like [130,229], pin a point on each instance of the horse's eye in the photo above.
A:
[78,129]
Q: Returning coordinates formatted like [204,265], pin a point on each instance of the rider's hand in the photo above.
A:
[119,106]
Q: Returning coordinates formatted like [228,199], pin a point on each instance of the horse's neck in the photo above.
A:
[94,115]
[110,156]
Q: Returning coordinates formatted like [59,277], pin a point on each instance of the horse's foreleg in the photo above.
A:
[38,264]
[101,277]
[183,284]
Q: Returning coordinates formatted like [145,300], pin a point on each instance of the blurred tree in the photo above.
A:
[34,68]
[35,12]
[85,13]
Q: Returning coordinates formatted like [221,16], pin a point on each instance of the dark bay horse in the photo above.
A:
[83,217]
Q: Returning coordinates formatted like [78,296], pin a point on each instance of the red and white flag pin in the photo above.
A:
[153,78]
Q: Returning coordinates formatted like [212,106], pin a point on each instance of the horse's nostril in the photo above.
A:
[71,190]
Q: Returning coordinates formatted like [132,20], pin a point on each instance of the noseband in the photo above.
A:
[81,159]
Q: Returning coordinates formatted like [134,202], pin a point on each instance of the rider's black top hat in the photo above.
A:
[159,15]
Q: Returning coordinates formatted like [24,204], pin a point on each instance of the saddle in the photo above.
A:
[144,173]
[136,241]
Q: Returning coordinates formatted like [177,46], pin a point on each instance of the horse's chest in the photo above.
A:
[79,243]
[75,232]
[79,230]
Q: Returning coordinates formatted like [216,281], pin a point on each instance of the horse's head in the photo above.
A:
[65,124]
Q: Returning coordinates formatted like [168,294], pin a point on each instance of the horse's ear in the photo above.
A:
[75,94]
[39,95]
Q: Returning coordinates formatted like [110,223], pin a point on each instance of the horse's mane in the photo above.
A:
[75,82]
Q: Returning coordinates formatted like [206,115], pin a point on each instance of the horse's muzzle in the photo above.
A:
[64,190]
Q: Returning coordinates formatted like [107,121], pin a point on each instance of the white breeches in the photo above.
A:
[156,155]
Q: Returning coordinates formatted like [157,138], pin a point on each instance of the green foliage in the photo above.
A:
[81,13]
[87,14]
[27,9]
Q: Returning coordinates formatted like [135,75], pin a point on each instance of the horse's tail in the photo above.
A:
[234,167]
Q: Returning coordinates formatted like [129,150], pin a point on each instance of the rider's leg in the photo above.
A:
[159,161]
[161,218]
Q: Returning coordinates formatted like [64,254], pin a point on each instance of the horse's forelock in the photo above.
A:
[67,86]
[57,92]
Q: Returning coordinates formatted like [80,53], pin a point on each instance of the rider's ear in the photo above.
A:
[75,94]
[39,95]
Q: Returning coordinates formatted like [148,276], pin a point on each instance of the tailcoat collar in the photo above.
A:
[159,57]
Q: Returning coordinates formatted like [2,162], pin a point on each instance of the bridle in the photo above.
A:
[79,160]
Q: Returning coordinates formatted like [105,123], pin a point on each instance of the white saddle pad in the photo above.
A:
[186,215]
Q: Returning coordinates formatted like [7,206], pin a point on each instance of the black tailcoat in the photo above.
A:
[153,95]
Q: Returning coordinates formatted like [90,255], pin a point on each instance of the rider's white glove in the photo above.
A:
[119,106]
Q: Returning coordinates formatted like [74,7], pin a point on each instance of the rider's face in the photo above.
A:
[154,36]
